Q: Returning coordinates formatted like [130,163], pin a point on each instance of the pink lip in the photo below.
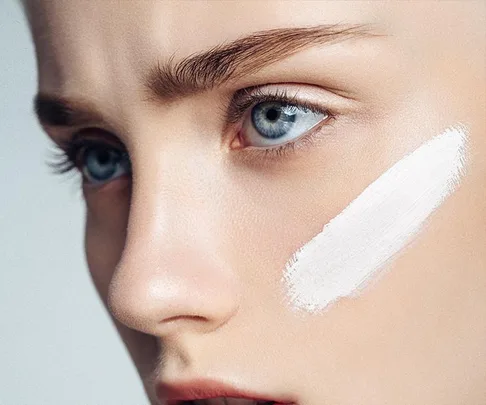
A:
[203,389]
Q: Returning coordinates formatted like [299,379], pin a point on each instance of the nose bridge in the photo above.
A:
[172,274]
[169,188]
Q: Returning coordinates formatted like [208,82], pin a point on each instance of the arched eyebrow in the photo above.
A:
[242,57]
[165,82]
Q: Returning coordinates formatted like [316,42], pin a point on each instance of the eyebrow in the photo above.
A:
[165,82]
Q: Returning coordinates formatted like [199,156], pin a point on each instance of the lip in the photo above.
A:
[176,392]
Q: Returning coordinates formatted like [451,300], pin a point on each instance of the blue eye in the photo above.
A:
[277,123]
[101,164]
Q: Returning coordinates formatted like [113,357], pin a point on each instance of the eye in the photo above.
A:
[99,156]
[276,123]
[101,164]
[273,120]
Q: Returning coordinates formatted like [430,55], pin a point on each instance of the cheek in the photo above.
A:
[105,233]
[276,211]
[106,225]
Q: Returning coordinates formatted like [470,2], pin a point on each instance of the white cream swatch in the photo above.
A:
[342,259]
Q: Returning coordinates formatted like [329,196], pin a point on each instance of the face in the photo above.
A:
[202,187]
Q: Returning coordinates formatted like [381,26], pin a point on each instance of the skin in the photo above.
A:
[187,254]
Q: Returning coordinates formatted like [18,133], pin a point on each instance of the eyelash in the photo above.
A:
[68,154]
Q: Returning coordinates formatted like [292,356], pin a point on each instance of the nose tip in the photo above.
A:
[168,290]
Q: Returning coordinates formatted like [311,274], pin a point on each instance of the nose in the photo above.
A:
[173,275]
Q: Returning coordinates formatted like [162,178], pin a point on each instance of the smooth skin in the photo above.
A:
[187,251]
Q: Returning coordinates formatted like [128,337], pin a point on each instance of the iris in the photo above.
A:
[102,164]
[273,120]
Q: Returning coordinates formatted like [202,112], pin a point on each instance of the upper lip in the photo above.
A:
[202,389]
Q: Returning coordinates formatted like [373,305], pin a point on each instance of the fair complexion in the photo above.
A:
[187,241]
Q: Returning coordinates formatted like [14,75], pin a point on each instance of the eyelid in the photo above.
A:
[246,98]
[91,137]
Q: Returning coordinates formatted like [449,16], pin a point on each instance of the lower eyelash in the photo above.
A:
[283,150]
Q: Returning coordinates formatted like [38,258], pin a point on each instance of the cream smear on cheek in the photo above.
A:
[342,259]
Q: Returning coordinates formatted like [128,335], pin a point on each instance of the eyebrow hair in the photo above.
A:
[199,72]
[58,111]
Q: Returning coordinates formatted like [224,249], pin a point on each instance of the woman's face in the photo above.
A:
[198,193]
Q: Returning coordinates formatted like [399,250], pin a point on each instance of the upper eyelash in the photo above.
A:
[66,156]
[63,159]
[60,162]
[247,97]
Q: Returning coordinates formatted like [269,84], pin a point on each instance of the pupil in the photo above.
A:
[103,157]
[273,114]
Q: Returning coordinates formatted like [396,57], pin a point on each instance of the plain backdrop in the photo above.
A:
[57,342]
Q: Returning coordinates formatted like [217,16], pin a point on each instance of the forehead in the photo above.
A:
[89,40]
[184,25]
[102,50]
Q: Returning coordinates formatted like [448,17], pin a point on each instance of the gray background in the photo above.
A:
[57,343]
